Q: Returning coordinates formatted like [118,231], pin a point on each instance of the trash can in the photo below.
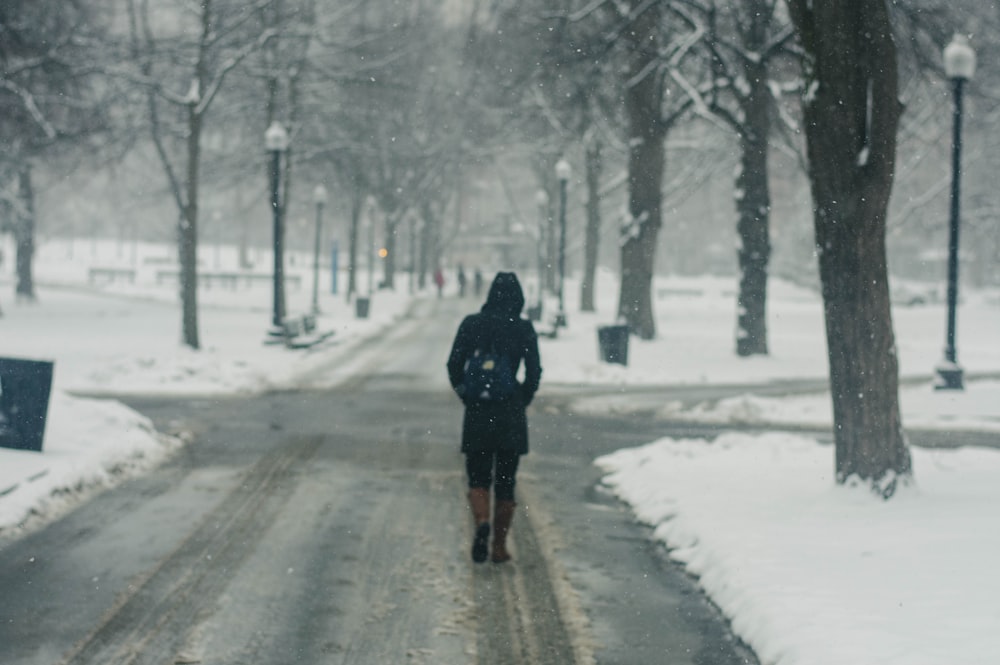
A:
[613,343]
[361,307]
[535,313]
[24,402]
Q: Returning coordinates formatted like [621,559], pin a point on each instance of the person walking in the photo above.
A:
[486,354]
[477,282]
[439,280]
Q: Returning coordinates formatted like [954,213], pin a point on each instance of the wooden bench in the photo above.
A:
[231,280]
[100,275]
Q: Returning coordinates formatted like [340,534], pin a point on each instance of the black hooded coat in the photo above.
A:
[497,426]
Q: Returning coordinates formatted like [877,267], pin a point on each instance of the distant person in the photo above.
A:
[439,280]
[461,281]
[482,368]
[477,282]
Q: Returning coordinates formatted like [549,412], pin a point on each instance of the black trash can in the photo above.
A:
[361,306]
[24,402]
[613,343]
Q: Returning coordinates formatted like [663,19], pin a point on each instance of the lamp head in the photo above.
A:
[563,170]
[319,195]
[276,138]
[959,58]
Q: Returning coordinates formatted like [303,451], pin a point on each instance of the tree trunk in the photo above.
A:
[438,231]
[753,205]
[643,100]
[593,234]
[427,235]
[187,236]
[851,117]
[357,209]
[244,249]
[389,261]
[24,237]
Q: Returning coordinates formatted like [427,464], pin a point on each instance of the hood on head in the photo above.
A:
[505,296]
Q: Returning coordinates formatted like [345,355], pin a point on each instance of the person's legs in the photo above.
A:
[479,469]
[506,472]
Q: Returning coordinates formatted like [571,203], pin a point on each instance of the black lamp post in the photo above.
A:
[563,173]
[959,66]
[276,142]
[542,199]
[319,198]
[371,247]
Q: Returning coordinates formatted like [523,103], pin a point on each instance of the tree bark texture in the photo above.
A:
[188,235]
[428,234]
[434,221]
[852,115]
[357,208]
[753,206]
[389,261]
[24,236]
[643,101]
[594,168]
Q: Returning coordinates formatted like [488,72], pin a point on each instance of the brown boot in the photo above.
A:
[502,516]
[479,502]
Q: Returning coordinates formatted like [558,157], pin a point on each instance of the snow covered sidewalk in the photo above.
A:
[811,573]
[126,342]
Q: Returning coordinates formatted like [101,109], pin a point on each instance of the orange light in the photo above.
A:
[383,252]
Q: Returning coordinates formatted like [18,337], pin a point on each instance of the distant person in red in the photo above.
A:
[439,280]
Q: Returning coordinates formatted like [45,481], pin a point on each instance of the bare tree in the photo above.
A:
[594,151]
[571,93]
[224,35]
[852,111]
[48,105]
[655,49]
[744,40]
[410,134]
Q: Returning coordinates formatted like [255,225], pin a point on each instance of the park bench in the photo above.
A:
[229,279]
[104,275]
[299,332]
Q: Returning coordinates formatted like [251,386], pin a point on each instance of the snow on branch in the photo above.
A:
[232,63]
[631,226]
[701,108]
[29,104]
[685,45]
[650,67]
[586,10]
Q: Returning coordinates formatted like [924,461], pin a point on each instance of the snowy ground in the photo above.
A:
[809,572]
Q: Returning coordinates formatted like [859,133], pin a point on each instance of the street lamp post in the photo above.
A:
[371,247]
[542,199]
[319,198]
[276,142]
[959,66]
[563,172]
[413,253]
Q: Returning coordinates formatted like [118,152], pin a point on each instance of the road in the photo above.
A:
[330,526]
